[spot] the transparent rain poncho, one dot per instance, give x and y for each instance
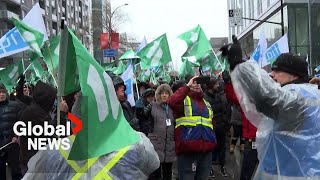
(137, 163)
(288, 123)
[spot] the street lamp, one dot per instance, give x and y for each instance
(110, 24)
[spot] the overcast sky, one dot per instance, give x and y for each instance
(152, 18)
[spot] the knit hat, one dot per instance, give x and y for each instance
(292, 64)
(233, 52)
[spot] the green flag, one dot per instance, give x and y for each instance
(121, 68)
(130, 54)
(105, 129)
(36, 67)
(155, 53)
(186, 68)
(33, 37)
(9, 76)
(51, 54)
(144, 75)
(197, 42)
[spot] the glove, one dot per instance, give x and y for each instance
(233, 52)
(226, 77)
(22, 80)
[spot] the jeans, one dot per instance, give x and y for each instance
(166, 172)
(250, 161)
(194, 166)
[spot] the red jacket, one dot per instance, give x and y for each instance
(183, 146)
(248, 129)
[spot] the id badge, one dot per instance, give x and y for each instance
(254, 145)
(194, 166)
(168, 122)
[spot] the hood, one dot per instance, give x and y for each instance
(162, 88)
(44, 95)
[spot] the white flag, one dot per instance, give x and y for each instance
(274, 51)
(258, 54)
(142, 44)
(127, 77)
(12, 42)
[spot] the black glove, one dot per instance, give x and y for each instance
(226, 77)
(233, 52)
(22, 80)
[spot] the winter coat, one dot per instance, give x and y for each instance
(38, 112)
(162, 136)
(10, 112)
(130, 116)
(176, 103)
(248, 129)
(143, 114)
(220, 107)
(288, 123)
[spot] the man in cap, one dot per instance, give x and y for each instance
(128, 112)
(9, 114)
(286, 111)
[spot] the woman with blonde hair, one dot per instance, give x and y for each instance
(162, 134)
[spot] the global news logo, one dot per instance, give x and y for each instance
(48, 137)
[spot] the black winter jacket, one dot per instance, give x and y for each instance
(220, 107)
(130, 116)
(10, 113)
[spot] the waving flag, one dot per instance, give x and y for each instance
(275, 50)
(13, 42)
(127, 77)
(258, 54)
(197, 42)
(9, 76)
(105, 129)
(33, 37)
(155, 53)
(142, 44)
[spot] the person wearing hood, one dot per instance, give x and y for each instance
(162, 136)
(221, 108)
(41, 110)
(194, 136)
(10, 113)
(284, 108)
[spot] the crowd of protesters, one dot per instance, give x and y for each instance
(188, 122)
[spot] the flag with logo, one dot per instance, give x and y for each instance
(51, 54)
(105, 129)
(127, 77)
(33, 37)
(258, 53)
(10, 75)
(155, 53)
(12, 42)
(197, 42)
(275, 50)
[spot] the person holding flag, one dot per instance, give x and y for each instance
(284, 108)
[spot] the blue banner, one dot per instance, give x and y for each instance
(11, 43)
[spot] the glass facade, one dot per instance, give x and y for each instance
(296, 25)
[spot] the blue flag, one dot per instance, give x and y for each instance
(258, 54)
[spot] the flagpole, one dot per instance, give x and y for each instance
(53, 73)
